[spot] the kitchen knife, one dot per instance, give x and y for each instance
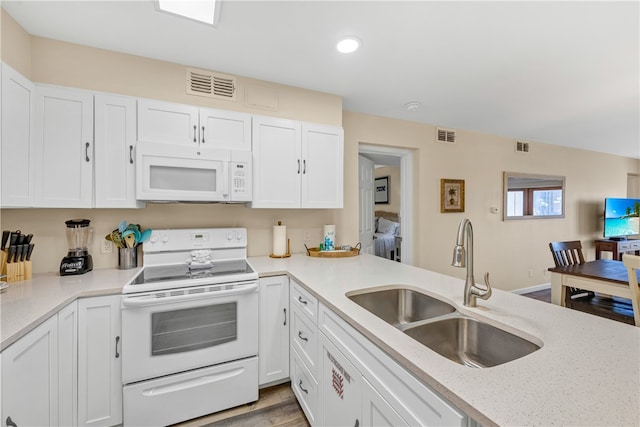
(18, 253)
(29, 251)
(20, 240)
(25, 249)
(5, 238)
(28, 238)
(12, 252)
(14, 237)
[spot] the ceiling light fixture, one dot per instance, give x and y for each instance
(412, 106)
(206, 11)
(348, 44)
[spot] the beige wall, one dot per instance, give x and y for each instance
(514, 252)
(509, 250)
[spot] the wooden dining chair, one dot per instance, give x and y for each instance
(632, 262)
(570, 253)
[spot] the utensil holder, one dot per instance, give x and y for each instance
(127, 258)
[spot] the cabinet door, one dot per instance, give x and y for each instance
(167, 122)
(225, 129)
(376, 411)
(63, 148)
(30, 378)
(115, 139)
(274, 329)
(99, 363)
(68, 365)
(277, 165)
(340, 385)
(322, 166)
(17, 115)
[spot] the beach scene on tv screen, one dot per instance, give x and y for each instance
(622, 217)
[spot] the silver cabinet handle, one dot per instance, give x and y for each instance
(298, 166)
(303, 338)
(304, 167)
(195, 130)
(302, 388)
(86, 152)
(117, 341)
(131, 154)
(285, 317)
(303, 302)
(203, 134)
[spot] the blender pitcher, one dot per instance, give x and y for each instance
(79, 238)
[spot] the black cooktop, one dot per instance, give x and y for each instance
(218, 269)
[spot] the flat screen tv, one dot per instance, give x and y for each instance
(621, 218)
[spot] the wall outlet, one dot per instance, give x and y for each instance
(106, 247)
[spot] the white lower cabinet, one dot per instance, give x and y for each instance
(68, 365)
(305, 387)
(376, 411)
(274, 330)
(99, 363)
(30, 378)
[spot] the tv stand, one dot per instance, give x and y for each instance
(617, 247)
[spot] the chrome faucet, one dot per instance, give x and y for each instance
(462, 258)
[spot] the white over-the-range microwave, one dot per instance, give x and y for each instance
(180, 173)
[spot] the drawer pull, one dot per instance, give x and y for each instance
(131, 154)
(203, 134)
(195, 131)
(303, 338)
(285, 317)
(117, 342)
(302, 388)
(301, 301)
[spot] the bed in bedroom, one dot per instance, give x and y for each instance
(387, 229)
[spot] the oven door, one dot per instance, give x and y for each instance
(168, 172)
(171, 331)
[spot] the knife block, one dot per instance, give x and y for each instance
(18, 271)
(3, 262)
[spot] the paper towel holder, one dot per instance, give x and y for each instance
(286, 255)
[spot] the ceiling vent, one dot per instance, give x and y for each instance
(522, 147)
(206, 83)
(446, 135)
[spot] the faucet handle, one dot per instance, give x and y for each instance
(488, 285)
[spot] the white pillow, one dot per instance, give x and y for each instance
(387, 227)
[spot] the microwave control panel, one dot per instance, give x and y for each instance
(240, 181)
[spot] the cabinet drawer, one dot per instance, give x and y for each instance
(606, 246)
(304, 338)
(306, 302)
(635, 245)
(624, 246)
(305, 387)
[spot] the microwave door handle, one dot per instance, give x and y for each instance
(225, 178)
(152, 300)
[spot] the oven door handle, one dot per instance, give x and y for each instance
(149, 300)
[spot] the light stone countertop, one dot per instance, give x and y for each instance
(586, 373)
(25, 305)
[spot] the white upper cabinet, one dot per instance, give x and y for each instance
(115, 141)
(185, 124)
(63, 148)
(323, 169)
(297, 165)
(17, 127)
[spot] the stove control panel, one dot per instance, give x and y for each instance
(190, 239)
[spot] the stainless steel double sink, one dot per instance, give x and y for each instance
(439, 326)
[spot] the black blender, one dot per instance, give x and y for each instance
(79, 237)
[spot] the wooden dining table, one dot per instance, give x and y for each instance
(604, 276)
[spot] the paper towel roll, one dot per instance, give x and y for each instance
(329, 237)
(279, 240)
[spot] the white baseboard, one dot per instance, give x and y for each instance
(540, 287)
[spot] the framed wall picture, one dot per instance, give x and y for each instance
(381, 190)
(451, 195)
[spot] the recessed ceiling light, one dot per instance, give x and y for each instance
(412, 106)
(199, 10)
(348, 44)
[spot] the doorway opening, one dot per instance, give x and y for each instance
(384, 156)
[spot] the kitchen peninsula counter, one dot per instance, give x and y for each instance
(586, 373)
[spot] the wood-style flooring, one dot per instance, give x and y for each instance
(278, 407)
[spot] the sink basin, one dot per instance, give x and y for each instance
(399, 306)
(471, 342)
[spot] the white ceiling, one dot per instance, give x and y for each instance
(563, 73)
